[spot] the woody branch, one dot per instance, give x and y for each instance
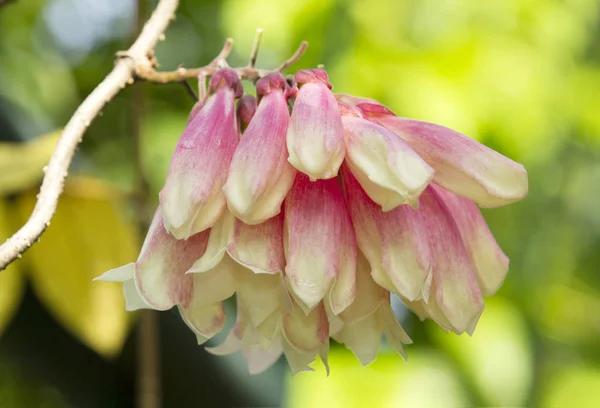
(137, 63)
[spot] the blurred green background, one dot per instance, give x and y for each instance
(522, 76)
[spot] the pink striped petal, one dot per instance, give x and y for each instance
(315, 134)
(192, 199)
(260, 175)
(461, 164)
(160, 269)
(259, 247)
(389, 171)
(454, 282)
(491, 264)
(396, 243)
(316, 240)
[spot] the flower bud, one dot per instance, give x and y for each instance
(192, 199)
(315, 137)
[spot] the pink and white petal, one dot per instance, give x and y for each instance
(417, 307)
(343, 291)
(315, 134)
(206, 321)
(160, 270)
(324, 356)
(406, 254)
(257, 295)
(260, 175)
(215, 285)
(362, 338)
(298, 361)
(269, 330)
(314, 215)
(231, 344)
(120, 274)
(133, 300)
(259, 247)
(192, 199)
(305, 333)
(369, 295)
(394, 333)
(461, 164)
(435, 313)
(260, 360)
(220, 236)
(387, 168)
(454, 283)
(491, 264)
(335, 322)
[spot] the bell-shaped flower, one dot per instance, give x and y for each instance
(260, 175)
(389, 171)
(158, 280)
(461, 164)
(319, 243)
(192, 199)
(396, 243)
(315, 137)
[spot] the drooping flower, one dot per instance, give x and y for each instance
(461, 164)
(387, 168)
(260, 175)
(315, 137)
(314, 220)
(192, 199)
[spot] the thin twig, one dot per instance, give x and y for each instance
(56, 171)
(295, 57)
(137, 62)
(255, 47)
(190, 90)
(147, 73)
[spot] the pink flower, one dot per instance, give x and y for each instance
(319, 243)
(461, 164)
(314, 220)
(315, 138)
(192, 200)
(260, 175)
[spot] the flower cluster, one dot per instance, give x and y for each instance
(314, 218)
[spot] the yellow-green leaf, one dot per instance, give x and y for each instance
(11, 280)
(22, 164)
(88, 235)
